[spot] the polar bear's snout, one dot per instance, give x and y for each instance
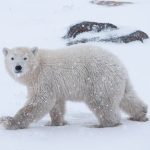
(18, 69)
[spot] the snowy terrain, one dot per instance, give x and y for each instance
(42, 23)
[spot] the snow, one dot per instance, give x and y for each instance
(42, 23)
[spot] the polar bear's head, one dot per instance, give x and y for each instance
(20, 61)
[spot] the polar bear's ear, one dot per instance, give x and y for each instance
(34, 50)
(5, 51)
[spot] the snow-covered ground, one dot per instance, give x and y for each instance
(42, 23)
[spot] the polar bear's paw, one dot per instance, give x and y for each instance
(144, 119)
(10, 123)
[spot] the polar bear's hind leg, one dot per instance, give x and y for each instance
(132, 105)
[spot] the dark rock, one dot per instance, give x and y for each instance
(135, 36)
(82, 41)
(87, 26)
(109, 3)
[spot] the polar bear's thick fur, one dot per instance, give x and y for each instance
(80, 73)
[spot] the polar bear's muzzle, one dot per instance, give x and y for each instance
(18, 69)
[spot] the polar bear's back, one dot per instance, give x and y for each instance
(81, 52)
(83, 55)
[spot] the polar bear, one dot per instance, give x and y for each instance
(79, 73)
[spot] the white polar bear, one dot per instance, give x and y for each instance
(80, 73)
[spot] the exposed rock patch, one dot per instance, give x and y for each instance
(135, 36)
(87, 26)
(109, 3)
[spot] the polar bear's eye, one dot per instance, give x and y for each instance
(12, 58)
(25, 58)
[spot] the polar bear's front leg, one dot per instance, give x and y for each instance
(28, 114)
(24, 117)
(57, 114)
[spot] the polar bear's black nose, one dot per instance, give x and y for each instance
(18, 68)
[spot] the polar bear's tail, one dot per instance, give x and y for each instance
(133, 105)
